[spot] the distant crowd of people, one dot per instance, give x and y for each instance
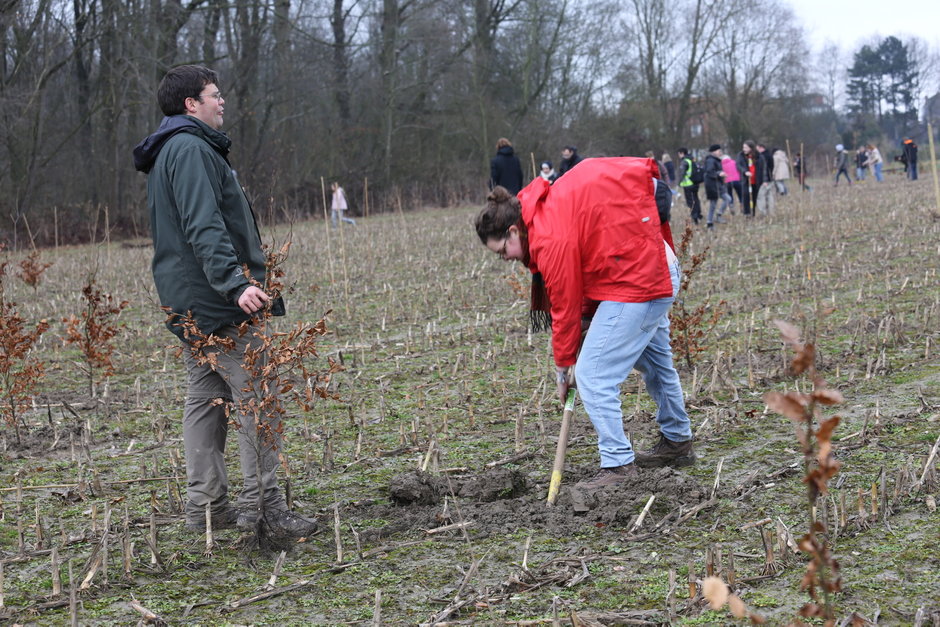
(868, 159)
(506, 169)
(756, 175)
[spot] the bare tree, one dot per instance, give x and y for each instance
(762, 64)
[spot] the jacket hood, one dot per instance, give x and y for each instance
(506, 150)
(146, 152)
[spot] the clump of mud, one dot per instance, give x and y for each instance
(501, 500)
(421, 488)
(494, 485)
(417, 488)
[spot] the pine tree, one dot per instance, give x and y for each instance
(882, 87)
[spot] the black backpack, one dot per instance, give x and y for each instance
(697, 174)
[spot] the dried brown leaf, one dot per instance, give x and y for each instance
(737, 606)
(826, 427)
(792, 404)
(715, 592)
(790, 333)
(827, 396)
(805, 356)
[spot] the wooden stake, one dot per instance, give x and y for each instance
(639, 520)
(73, 606)
(336, 535)
(342, 247)
(377, 612)
(520, 441)
(365, 195)
(693, 587)
(209, 542)
(721, 463)
(56, 574)
(276, 572)
(843, 522)
(147, 616)
(326, 223)
(20, 537)
(927, 465)
(671, 596)
(127, 547)
(933, 164)
(154, 558)
(105, 539)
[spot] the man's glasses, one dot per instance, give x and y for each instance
(216, 96)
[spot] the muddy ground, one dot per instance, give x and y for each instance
(432, 466)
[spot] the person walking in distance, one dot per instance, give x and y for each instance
(909, 157)
(842, 164)
(732, 180)
(339, 206)
(781, 171)
(204, 238)
(547, 172)
(714, 185)
(569, 159)
(747, 166)
(875, 162)
(574, 232)
(505, 168)
(687, 176)
(670, 170)
(766, 199)
(861, 163)
(799, 168)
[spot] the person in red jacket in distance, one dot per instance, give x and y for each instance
(596, 238)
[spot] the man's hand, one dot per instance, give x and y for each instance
(252, 299)
(562, 382)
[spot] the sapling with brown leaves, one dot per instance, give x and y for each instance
(20, 371)
(279, 365)
(822, 578)
(691, 326)
(31, 269)
(92, 332)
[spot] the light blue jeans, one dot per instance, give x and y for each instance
(878, 175)
(624, 336)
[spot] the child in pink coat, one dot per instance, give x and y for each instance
(732, 179)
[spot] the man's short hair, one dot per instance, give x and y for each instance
(180, 83)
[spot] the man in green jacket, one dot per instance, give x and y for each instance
(204, 236)
(688, 185)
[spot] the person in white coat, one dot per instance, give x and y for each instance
(781, 171)
(339, 206)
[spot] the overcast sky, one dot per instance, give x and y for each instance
(849, 23)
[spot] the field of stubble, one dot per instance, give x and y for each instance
(432, 467)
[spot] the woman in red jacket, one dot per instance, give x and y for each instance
(595, 236)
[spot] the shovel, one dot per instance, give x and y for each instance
(561, 449)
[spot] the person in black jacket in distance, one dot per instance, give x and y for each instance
(505, 168)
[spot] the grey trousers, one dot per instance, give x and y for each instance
(205, 426)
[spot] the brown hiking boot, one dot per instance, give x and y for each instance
(667, 453)
(609, 476)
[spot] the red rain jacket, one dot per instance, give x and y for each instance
(595, 235)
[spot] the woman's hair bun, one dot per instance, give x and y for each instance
(499, 195)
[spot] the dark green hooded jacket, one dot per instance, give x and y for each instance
(204, 231)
